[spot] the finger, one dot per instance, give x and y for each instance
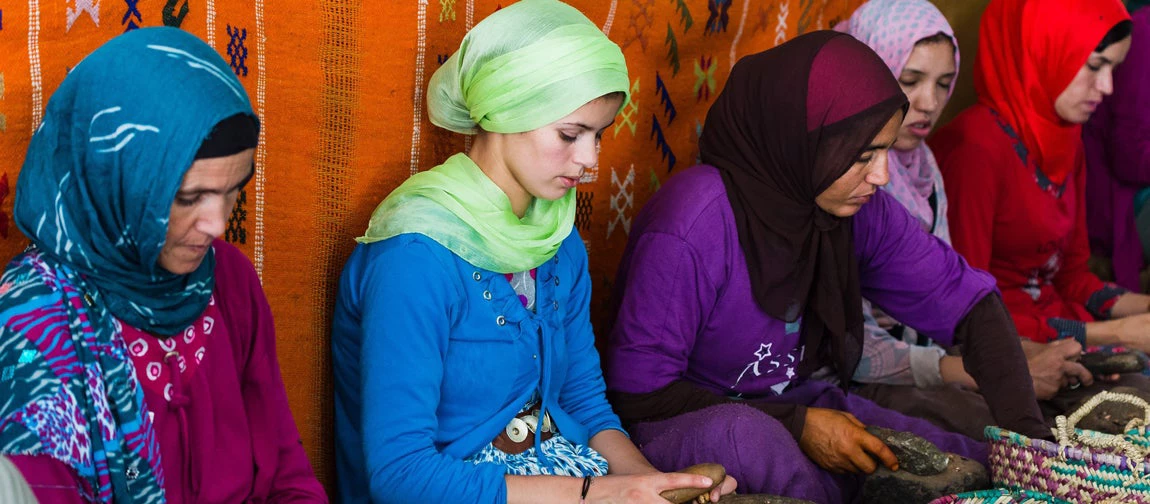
(854, 420)
(671, 481)
(1074, 370)
(876, 447)
(1069, 348)
(860, 461)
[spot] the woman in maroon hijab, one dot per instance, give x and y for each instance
(742, 279)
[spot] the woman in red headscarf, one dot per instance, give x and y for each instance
(1015, 170)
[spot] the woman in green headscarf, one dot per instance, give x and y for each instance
(465, 366)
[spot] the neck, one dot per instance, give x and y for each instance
(488, 157)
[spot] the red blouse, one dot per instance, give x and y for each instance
(1008, 218)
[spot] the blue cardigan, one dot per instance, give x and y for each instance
(433, 356)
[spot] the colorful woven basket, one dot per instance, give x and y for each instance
(999, 497)
(1083, 467)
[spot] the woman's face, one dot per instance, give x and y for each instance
(547, 162)
(851, 191)
(1094, 80)
(201, 209)
(926, 80)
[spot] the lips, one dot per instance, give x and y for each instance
(569, 182)
(919, 129)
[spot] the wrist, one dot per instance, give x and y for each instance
(587, 480)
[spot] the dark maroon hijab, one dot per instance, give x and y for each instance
(789, 122)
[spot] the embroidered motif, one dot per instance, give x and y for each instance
(236, 232)
(704, 78)
(446, 10)
(442, 58)
(82, 7)
(171, 18)
(642, 18)
(621, 201)
(684, 14)
(653, 184)
(661, 143)
(718, 19)
(627, 115)
(763, 18)
(672, 50)
(237, 50)
(806, 16)
(781, 28)
(590, 175)
(583, 210)
(665, 99)
(132, 18)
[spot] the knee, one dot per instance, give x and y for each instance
(750, 434)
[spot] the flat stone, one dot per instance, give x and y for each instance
(885, 486)
(760, 499)
(1106, 363)
(1111, 417)
(915, 454)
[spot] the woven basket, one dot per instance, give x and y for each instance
(1083, 467)
(999, 497)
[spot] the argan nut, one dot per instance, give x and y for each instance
(683, 495)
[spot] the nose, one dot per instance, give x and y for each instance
(1105, 81)
(587, 152)
(878, 174)
(213, 220)
(925, 99)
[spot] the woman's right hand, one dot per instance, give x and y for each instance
(641, 488)
(839, 443)
(1054, 366)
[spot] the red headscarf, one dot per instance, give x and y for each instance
(1029, 51)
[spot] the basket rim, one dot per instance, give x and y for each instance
(1052, 449)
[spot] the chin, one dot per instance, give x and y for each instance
(906, 143)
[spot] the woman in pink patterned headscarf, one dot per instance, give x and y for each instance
(900, 369)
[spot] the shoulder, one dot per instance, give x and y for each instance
(29, 282)
(974, 141)
(691, 202)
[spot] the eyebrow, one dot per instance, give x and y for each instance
(920, 72)
(194, 191)
(1105, 60)
(586, 127)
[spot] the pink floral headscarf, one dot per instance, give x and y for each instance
(891, 28)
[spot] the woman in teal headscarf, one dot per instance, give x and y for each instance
(137, 352)
(465, 366)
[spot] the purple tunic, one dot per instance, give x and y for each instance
(687, 309)
(687, 313)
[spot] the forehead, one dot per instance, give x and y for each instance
(228, 170)
(938, 56)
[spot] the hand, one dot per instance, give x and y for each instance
(882, 319)
(728, 486)
(952, 371)
(1055, 366)
(1134, 331)
(645, 488)
(839, 442)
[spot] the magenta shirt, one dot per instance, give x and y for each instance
(226, 434)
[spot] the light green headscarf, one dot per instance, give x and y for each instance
(524, 67)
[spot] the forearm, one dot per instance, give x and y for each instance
(621, 454)
(535, 489)
(1104, 332)
(1130, 303)
(993, 355)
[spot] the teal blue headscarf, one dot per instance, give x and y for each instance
(97, 186)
